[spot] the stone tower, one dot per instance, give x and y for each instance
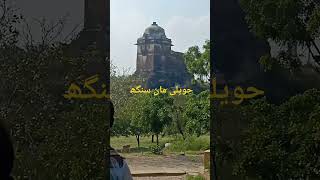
(157, 63)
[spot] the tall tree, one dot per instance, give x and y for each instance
(196, 112)
(288, 23)
(157, 113)
(198, 63)
(131, 119)
(281, 142)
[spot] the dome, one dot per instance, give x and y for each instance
(155, 32)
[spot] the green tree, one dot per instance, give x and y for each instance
(132, 119)
(281, 142)
(197, 113)
(120, 85)
(157, 113)
(198, 63)
(288, 23)
(178, 120)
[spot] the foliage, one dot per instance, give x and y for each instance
(178, 117)
(197, 113)
(47, 129)
(178, 144)
(288, 23)
(191, 143)
(118, 142)
(156, 149)
(149, 114)
(157, 113)
(54, 138)
(120, 85)
(198, 63)
(129, 120)
(282, 142)
(144, 114)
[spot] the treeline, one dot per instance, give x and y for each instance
(163, 115)
(144, 115)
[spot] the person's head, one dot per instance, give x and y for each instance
(6, 153)
(111, 114)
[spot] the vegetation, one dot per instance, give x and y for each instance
(289, 24)
(66, 139)
(155, 116)
(189, 177)
(191, 145)
(53, 138)
(281, 142)
(61, 139)
(198, 63)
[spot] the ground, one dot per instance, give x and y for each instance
(161, 178)
(165, 164)
(171, 165)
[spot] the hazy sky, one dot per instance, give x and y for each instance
(52, 11)
(186, 22)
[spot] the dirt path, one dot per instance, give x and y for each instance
(176, 164)
(161, 178)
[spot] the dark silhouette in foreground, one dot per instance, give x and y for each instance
(119, 169)
(6, 154)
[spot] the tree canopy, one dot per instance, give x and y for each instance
(198, 63)
(288, 23)
(281, 142)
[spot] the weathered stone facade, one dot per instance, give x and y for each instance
(157, 63)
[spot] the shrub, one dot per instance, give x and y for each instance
(156, 149)
(191, 143)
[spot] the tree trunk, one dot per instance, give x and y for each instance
(152, 138)
(138, 140)
(157, 139)
(162, 135)
(182, 134)
(179, 126)
(180, 129)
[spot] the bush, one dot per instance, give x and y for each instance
(156, 149)
(282, 142)
(191, 143)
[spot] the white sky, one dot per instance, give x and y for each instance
(186, 22)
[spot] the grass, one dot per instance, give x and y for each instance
(192, 145)
(145, 141)
(195, 178)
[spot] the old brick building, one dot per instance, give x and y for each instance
(157, 63)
